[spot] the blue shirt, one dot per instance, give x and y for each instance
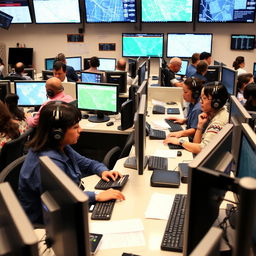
(191, 70)
(72, 163)
(71, 74)
(199, 76)
(193, 111)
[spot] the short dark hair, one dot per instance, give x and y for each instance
(11, 100)
(58, 65)
(94, 62)
(194, 84)
(201, 67)
(61, 57)
(195, 57)
(43, 139)
(250, 96)
(238, 61)
(205, 55)
(243, 79)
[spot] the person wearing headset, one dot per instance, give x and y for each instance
(214, 116)
(191, 93)
(58, 128)
(54, 91)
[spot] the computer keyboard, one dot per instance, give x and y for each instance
(158, 109)
(173, 111)
(117, 184)
(174, 127)
(173, 234)
(103, 210)
(157, 162)
(156, 134)
(173, 146)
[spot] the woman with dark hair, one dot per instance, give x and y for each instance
(1, 69)
(250, 96)
(210, 121)
(239, 64)
(59, 128)
(242, 81)
(9, 128)
(191, 93)
(94, 64)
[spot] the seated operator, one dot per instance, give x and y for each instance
(174, 67)
(121, 66)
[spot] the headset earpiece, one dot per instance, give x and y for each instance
(57, 132)
(216, 101)
(195, 91)
(50, 93)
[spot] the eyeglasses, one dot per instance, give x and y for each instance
(204, 98)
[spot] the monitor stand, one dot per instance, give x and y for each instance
(99, 118)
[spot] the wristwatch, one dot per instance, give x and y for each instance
(181, 141)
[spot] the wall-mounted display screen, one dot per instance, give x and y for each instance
(166, 10)
(184, 45)
(5, 20)
(242, 42)
(143, 45)
(227, 11)
(107, 11)
(18, 9)
(54, 11)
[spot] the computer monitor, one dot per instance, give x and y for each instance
(46, 74)
(163, 11)
(48, 63)
(226, 11)
(183, 69)
(117, 77)
(140, 135)
(148, 66)
(75, 62)
(208, 183)
(141, 90)
(142, 72)
(218, 63)
(4, 88)
(100, 98)
(18, 9)
(45, 11)
(91, 77)
(254, 70)
(5, 20)
(213, 73)
(184, 45)
(107, 64)
(132, 67)
(17, 235)
(86, 63)
(229, 80)
(110, 12)
(24, 55)
(30, 72)
(65, 211)
(242, 42)
(142, 45)
(31, 93)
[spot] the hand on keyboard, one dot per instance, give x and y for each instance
(109, 194)
(177, 120)
(175, 134)
(110, 174)
(171, 140)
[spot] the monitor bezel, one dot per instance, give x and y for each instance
(142, 56)
(199, 2)
(234, 81)
(123, 88)
(30, 82)
(96, 73)
(76, 57)
(139, 72)
(251, 49)
(106, 22)
(8, 18)
(79, 12)
(167, 43)
(192, 16)
(45, 63)
(98, 84)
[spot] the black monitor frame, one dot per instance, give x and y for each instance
(100, 117)
(142, 72)
(244, 37)
(141, 35)
(193, 50)
(5, 88)
(79, 13)
(16, 232)
(75, 57)
(100, 75)
(24, 55)
(46, 64)
(254, 70)
(233, 90)
(132, 67)
(5, 20)
(86, 63)
(117, 77)
(213, 73)
(65, 211)
(112, 59)
(46, 74)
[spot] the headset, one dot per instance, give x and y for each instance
(51, 93)
(57, 132)
(216, 97)
(195, 91)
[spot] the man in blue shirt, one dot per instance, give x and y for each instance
(192, 67)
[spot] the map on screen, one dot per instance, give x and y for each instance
(167, 10)
(110, 11)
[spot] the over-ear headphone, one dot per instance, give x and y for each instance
(216, 99)
(57, 132)
(51, 93)
(195, 91)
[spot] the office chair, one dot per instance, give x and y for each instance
(117, 153)
(14, 149)
(11, 173)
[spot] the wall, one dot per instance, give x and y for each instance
(48, 40)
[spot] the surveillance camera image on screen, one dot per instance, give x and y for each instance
(110, 11)
(162, 11)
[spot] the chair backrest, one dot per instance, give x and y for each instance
(11, 173)
(128, 145)
(13, 149)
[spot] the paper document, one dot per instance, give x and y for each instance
(119, 234)
(159, 206)
(166, 153)
(160, 124)
(158, 102)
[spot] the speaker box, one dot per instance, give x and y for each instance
(126, 115)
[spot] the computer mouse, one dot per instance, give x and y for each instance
(109, 123)
(179, 153)
(171, 103)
